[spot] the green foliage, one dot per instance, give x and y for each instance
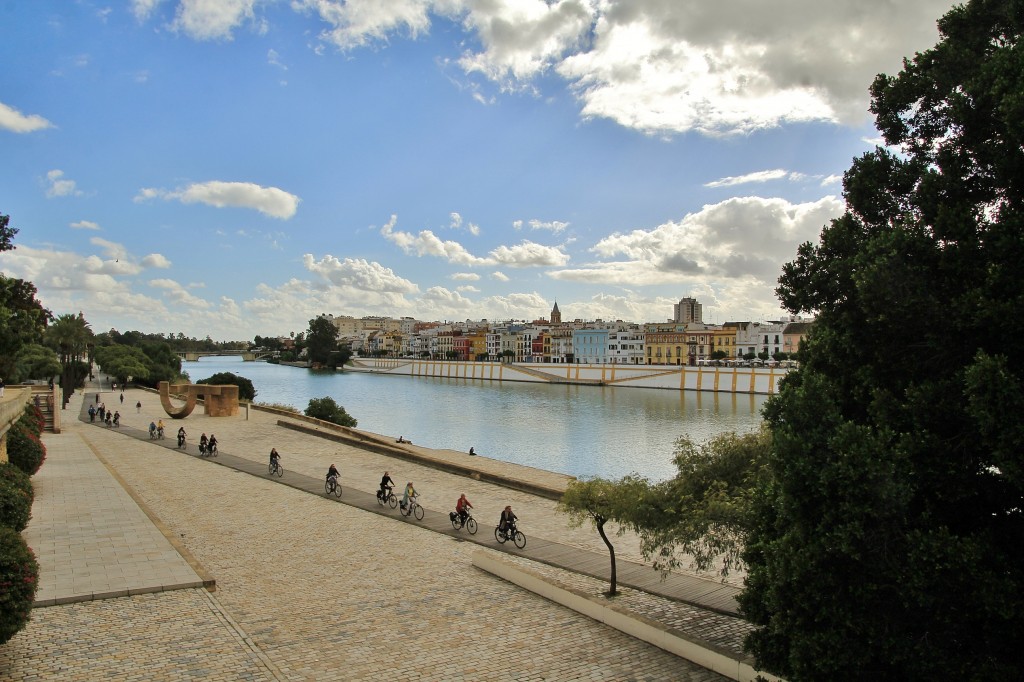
(24, 449)
(12, 475)
(22, 320)
(15, 505)
(321, 340)
(889, 540)
(325, 408)
(33, 419)
(34, 361)
(280, 406)
(246, 391)
(19, 578)
(6, 233)
(122, 362)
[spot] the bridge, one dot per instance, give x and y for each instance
(246, 355)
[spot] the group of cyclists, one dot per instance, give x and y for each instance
(506, 523)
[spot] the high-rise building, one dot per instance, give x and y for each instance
(687, 311)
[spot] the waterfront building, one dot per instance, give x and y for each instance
(590, 346)
(687, 311)
(724, 339)
(626, 346)
(792, 334)
(759, 337)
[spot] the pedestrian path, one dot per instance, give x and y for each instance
(706, 594)
(90, 537)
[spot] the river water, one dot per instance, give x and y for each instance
(577, 430)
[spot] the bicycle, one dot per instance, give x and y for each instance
(182, 445)
(413, 508)
(332, 487)
(275, 468)
(512, 534)
(458, 522)
(387, 497)
(159, 433)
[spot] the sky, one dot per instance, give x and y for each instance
(232, 168)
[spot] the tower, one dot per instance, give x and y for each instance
(556, 315)
(687, 311)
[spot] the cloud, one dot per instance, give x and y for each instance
(737, 239)
(456, 223)
(499, 276)
(143, 9)
(759, 176)
(529, 254)
(269, 201)
(465, 277)
(156, 260)
(554, 226)
(358, 274)
(60, 187)
(274, 59)
(361, 22)
(213, 19)
(84, 225)
(178, 295)
(13, 120)
(468, 288)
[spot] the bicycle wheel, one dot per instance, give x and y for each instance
(327, 488)
(418, 512)
(270, 469)
(380, 500)
(471, 525)
(280, 471)
(406, 510)
(337, 490)
(392, 500)
(457, 522)
(520, 540)
(499, 536)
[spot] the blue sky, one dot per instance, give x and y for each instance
(236, 167)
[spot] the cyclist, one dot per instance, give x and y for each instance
(333, 472)
(275, 459)
(385, 484)
(211, 446)
(507, 524)
(409, 494)
(117, 418)
(462, 507)
(160, 428)
(152, 430)
(181, 436)
(203, 440)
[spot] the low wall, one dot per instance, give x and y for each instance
(705, 654)
(749, 380)
(12, 407)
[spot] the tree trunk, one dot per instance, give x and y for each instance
(611, 552)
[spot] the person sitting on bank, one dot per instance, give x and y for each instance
(462, 507)
(507, 523)
(472, 452)
(401, 439)
(385, 484)
(409, 494)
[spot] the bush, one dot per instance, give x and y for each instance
(330, 411)
(246, 391)
(19, 577)
(33, 419)
(15, 505)
(24, 449)
(18, 478)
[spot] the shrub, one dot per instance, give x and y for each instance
(330, 411)
(19, 577)
(15, 506)
(24, 449)
(279, 406)
(18, 478)
(246, 391)
(33, 419)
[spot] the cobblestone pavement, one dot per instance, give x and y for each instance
(308, 589)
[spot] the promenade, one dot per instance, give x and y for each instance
(306, 588)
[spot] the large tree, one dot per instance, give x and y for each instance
(71, 336)
(322, 340)
(22, 318)
(889, 543)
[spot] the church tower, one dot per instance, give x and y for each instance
(556, 315)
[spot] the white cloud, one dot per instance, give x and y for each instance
(468, 288)
(178, 295)
(274, 59)
(759, 176)
(84, 225)
(61, 187)
(360, 22)
(554, 226)
(465, 277)
(270, 201)
(832, 180)
(359, 275)
(143, 9)
(529, 254)
(13, 120)
(213, 19)
(156, 260)
(500, 276)
(456, 223)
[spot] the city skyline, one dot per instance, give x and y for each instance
(235, 169)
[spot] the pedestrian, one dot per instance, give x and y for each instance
(92, 414)
(138, 407)
(97, 398)
(122, 397)
(113, 385)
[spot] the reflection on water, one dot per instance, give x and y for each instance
(577, 430)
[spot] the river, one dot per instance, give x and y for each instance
(577, 430)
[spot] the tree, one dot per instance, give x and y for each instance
(6, 233)
(22, 320)
(35, 361)
(889, 540)
(600, 501)
(322, 340)
(326, 409)
(246, 391)
(122, 362)
(71, 337)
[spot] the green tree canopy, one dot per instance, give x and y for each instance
(321, 340)
(122, 362)
(246, 391)
(325, 408)
(889, 543)
(22, 320)
(35, 361)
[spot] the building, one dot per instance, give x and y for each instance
(687, 311)
(556, 315)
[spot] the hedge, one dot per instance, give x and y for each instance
(19, 577)
(24, 449)
(18, 478)
(33, 419)
(15, 506)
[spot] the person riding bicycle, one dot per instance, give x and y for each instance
(462, 507)
(181, 435)
(160, 428)
(409, 494)
(275, 459)
(117, 418)
(507, 524)
(203, 440)
(332, 472)
(152, 429)
(385, 484)
(211, 446)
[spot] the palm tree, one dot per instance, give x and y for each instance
(71, 337)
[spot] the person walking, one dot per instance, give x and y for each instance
(138, 407)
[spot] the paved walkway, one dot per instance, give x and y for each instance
(296, 580)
